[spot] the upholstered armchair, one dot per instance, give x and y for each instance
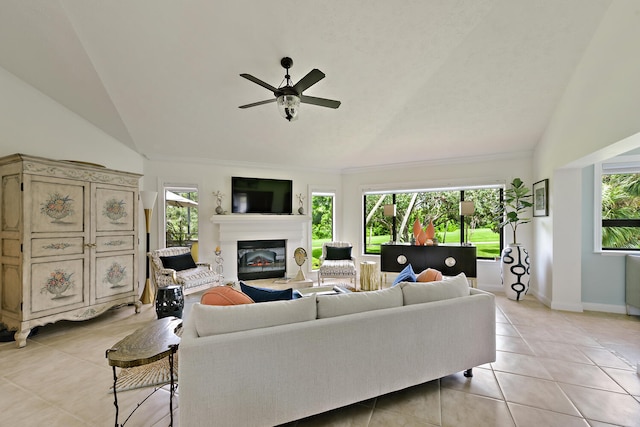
(175, 266)
(336, 261)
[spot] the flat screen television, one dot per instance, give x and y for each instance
(261, 195)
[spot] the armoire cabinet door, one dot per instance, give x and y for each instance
(114, 275)
(57, 206)
(57, 286)
(114, 209)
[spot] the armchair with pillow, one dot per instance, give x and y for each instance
(175, 266)
(337, 262)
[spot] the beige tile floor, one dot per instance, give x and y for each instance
(552, 369)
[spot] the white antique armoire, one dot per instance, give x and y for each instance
(69, 239)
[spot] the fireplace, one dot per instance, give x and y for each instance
(230, 229)
(262, 259)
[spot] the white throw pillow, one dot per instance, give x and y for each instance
(213, 320)
(355, 302)
(417, 293)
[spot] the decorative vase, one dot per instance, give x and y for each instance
(422, 238)
(417, 228)
(430, 230)
(515, 271)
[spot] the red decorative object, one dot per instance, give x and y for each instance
(417, 228)
(422, 238)
(431, 231)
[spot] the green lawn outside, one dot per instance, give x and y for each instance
(481, 238)
(316, 252)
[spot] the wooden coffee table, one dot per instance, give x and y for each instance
(148, 344)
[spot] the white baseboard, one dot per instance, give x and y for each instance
(606, 308)
(546, 301)
(611, 308)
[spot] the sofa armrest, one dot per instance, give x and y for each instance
(204, 264)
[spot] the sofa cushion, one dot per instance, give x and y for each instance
(337, 253)
(178, 262)
(355, 302)
(417, 293)
(264, 294)
(406, 275)
(224, 295)
(429, 275)
(222, 319)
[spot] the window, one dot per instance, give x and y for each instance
(321, 224)
(181, 216)
(618, 205)
(441, 207)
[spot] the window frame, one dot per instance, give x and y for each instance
(410, 189)
(162, 211)
(616, 165)
(322, 193)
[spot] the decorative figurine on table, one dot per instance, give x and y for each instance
(219, 197)
(300, 197)
(300, 255)
(219, 261)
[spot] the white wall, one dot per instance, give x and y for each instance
(598, 109)
(213, 177)
(456, 173)
(599, 272)
(32, 123)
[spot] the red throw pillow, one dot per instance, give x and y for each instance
(224, 295)
(429, 275)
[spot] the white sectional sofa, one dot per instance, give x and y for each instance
(269, 363)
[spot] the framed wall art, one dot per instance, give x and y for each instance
(541, 198)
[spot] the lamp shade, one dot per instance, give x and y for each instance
(467, 207)
(148, 199)
(288, 106)
(389, 210)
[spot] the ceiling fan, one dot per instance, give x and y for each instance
(290, 96)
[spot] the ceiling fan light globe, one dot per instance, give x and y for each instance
(288, 106)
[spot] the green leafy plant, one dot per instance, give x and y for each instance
(517, 200)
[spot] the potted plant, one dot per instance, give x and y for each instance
(515, 258)
(516, 203)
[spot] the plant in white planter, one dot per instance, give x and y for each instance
(515, 258)
(516, 203)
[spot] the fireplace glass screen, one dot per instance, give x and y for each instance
(262, 259)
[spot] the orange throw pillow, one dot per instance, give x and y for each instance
(224, 295)
(429, 275)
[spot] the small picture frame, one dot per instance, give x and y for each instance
(541, 198)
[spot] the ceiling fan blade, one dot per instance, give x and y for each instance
(255, 104)
(323, 102)
(258, 81)
(312, 77)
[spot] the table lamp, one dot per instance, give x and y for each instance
(467, 208)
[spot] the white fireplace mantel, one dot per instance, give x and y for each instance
(229, 229)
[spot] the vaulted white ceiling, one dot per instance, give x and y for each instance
(418, 79)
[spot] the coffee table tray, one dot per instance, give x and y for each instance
(322, 290)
